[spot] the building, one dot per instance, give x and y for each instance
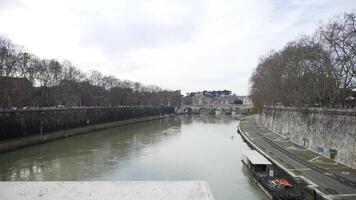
(217, 98)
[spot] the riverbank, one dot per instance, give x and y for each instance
(16, 143)
(329, 179)
(22, 123)
(329, 132)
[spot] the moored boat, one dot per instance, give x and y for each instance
(263, 173)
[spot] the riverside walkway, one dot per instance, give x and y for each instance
(333, 180)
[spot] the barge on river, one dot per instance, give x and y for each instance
(263, 173)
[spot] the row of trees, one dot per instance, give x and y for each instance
(315, 70)
(26, 80)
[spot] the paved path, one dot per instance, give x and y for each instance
(335, 180)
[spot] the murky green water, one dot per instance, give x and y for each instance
(181, 148)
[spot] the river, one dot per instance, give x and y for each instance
(180, 148)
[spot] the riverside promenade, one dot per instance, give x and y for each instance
(329, 179)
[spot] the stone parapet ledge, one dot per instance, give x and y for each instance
(322, 110)
(105, 190)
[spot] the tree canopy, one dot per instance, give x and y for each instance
(27, 80)
(314, 70)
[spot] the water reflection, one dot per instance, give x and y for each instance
(181, 148)
(85, 156)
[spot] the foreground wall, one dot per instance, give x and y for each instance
(34, 122)
(326, 131)
(86, 190)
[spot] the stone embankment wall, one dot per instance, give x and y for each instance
(34, 122)
(325, 131)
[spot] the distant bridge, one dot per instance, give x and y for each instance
(212, 109)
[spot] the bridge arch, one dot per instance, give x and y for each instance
(206, 110)
(220, 109)
(188, 110)
(203, 110)
(237, 110)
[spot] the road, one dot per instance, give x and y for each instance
(333, 179)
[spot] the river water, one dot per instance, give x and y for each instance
(180, 148)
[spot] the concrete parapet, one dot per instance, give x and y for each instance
(105, 190)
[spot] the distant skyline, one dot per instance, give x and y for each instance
(186, 44)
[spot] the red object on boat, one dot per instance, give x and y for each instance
(284, 182)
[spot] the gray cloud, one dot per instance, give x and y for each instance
(7, 4)
(177, 44)
(132, 29)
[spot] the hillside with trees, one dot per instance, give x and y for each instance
(314, 70)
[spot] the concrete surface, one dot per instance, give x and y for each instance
(334, 180)
(105, 190)
(318, 129)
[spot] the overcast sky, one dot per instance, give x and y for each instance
(190, 45)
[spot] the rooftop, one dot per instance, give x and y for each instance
(256, 158)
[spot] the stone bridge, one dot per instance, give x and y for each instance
(211, 109)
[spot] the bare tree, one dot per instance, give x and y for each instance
(310, 71)
(8, 58)
(50, 82)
